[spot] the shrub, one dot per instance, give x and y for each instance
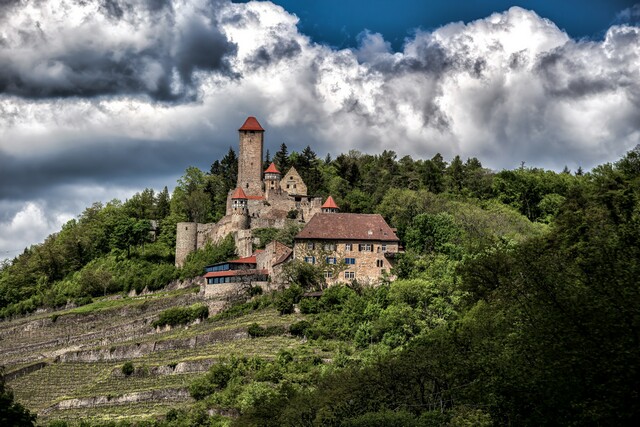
(128, 368)
(181, 315)
(300, 328)
(309, 306)
(254, 330)
(255, 290)
(290, 296)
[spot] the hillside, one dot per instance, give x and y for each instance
(68, 364)
(518, 306)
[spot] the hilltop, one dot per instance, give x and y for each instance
(516, 302)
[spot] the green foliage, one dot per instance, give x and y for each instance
(434, 233)
(128, 368)
(302, 274)
(11, 412)
(212, 253)
(265, 235)
(286, 299)
(254, 330)
(181, 315)
(300, 328)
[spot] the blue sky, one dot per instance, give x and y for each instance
(100, 99)
(338, 22)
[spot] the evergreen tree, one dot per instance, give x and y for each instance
(162, 204)
(229, 169)
(455, 175)
(434, 172)
(281, 159)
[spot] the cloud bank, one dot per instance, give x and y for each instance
(99, 99)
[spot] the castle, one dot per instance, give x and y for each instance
(261, 199)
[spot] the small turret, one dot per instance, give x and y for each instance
(330, 206)
(240, 209)
(272, 180)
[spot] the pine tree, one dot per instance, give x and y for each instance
(281, 159)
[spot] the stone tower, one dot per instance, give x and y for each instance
(186, 241)
(250, 158)
(272, 181)
(239, 210)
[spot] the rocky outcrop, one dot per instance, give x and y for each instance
(178, 394)
(132, 351)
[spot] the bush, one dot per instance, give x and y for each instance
(254, 330)
(290, 296)
(255, 291)
(309, 306)
(128, 368)
(300, 328)
(182, 315)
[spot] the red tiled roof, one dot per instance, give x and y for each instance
(283, 257)
(229, 273)
(255, 197)
(247, 260)
(330, 204)
(238, 194)
(347, 226)
(272, 168)
(251, 124)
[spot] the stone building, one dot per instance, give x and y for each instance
(259, 200)
(347, 246)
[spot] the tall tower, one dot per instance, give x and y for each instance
(250, 158)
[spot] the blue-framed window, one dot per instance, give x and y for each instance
(350, 261)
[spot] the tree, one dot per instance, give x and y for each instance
(11, 412)
(455, 175)
(163, 207)
(281, 159)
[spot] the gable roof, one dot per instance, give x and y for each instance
(251, 124)
(272, 168)
(238, 194)
(347, 226)
(330, 204)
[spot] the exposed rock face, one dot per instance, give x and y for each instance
(179, 394)
(132, 351)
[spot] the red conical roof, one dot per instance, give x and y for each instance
(251, 124)
(272, 168)
(238, 194)
(330, 204)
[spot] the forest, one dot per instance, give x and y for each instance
(517, 299)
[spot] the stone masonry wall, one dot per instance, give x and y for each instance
(250, 162)
(367, 266)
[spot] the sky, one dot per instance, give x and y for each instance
(100, 99)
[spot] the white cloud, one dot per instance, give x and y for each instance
(508, 88)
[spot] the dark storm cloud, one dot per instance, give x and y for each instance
(27, 178)
(281, 49)
(147, 49)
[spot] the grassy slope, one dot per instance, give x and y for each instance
(116, 329)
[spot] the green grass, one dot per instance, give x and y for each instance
(97, 326)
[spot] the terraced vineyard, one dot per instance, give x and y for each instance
(68, 364)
